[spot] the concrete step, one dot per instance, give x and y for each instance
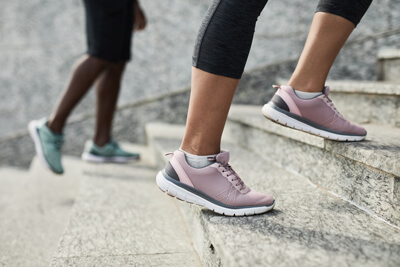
(389, 64)
(367, 102)
(12, 182)
(366, 173)
(35, 215)
(120, 218)
(308, 227)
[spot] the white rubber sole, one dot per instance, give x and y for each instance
(180, 193)
(93, 158)
(32, 128)
(278, 117)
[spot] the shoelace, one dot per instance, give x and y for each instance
(230, 171)
(58, 143)
(330, 103)
(114, 144)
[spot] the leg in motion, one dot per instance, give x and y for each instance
(327, 35)
(47, 135)
(103, 148)
(85, 73)
(107, 91)
(304, 103)
(210, 100)
(111, 29)
(199, 172)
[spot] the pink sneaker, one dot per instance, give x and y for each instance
(317, 116)
(217, 187)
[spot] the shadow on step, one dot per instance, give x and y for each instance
(277, 227)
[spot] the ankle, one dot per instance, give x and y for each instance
(198, 150)
(55, 127)
(306, 86)
(100, 141)
(197, 161)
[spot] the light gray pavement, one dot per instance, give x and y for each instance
(12, 181)
(120, 218)
(34, 217)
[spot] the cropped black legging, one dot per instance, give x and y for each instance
(226, 34)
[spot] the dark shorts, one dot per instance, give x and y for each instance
(109, 27)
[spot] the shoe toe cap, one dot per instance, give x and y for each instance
(267, 200)
(55, 165)
(260, 199)
(357, 130)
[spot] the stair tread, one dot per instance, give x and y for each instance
(361, 87)
(380, 150)
(120, 218)
(307, 225)
(366, 87)
(33, 220)
(12, 181)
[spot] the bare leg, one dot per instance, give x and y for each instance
(210, 100)
(108, 85)
(85, 73)
(327, 35)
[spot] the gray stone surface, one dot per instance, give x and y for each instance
(40, 46)
(308, 227)
(389, 64)
(17, 150)
(363, 172)
(364, 87)
(120, 218)
(33, 219)
(151, 260)
(12, 182)
(391, 69)
(255, 87)
(380, 109)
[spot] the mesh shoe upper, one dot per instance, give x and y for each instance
(111, 149)
(51, 144)
(218, 181)
(319, 110)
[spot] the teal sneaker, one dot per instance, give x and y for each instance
(110, 152)
(47, 145)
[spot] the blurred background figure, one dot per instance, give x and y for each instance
(109, 26)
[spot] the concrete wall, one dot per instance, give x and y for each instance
(41, 39)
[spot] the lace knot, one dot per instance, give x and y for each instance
(59, 143)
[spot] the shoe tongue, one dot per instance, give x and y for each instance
(222, 157)
(326, 91)
(52, 136)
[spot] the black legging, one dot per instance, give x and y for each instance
(226, 34)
